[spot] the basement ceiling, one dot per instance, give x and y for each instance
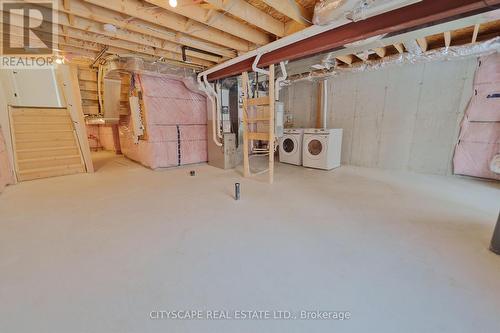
(201, 33)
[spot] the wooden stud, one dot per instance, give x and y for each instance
(380, 51)
(246, 162)
(475, 33)
(447, 39)
(422, 42)
(399, 47)
(347, 59)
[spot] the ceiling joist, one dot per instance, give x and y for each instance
(291, 9)
(143, 11)
(250, 14)
(215, 20)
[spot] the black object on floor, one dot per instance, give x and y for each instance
(192, 173)
(237, 191)
(495, 242)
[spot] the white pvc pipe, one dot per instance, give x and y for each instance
(212, 91)
(203, 87)
(282, 78)
(257, 69)
(324, 102)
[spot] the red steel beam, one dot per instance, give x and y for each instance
(418, 15)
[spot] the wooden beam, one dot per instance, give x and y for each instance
(475, 33)
(422, 43)
(409, 18)
(292, 27)
(447, 39)
(102, 15)
(347, 59)
(67, 7)
(89, 41)
(380, 51)
(250, 14)
(124, 35)
(399, 47)
(291, 9)
(90, 31)
(140, 10)
(214, 19)
(131, 46)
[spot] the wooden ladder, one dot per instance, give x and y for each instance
(258, 113)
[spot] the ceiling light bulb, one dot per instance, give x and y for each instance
(109, 27)
(172, 3)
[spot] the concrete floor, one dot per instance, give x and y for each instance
(97, 253)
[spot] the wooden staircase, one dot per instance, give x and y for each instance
(44, 142)
(258, 124)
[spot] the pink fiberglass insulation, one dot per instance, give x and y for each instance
(6, 173)
(176, 125)
(479, 138)
(93, 137)
(103, 137)
(109, 137)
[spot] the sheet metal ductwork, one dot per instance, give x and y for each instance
(141, 66)
(110, 88)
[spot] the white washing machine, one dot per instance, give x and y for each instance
(291, 146)
(322, 148)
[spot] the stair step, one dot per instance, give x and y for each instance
(258, 101)
(25, 154)
(254, 120)
(59, 167)
(44, 131)
(51, 158)
(41, 120)
(258, 136)
(32, 174)
(44, 149)
(48, 162)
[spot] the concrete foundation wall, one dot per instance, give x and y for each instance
(400, 117)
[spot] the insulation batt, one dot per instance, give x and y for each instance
(103, 136)
(176, 125)
(479, 140)
(327, 11)
(6, 174)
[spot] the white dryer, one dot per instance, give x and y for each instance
(291, 146)
(322, 148)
